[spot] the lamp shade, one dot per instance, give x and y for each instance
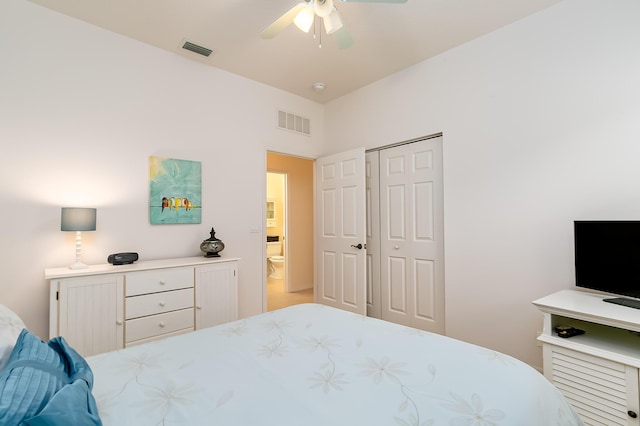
(78, 219)
(332, 23)
(304, 19)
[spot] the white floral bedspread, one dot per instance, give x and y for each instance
(315, 365)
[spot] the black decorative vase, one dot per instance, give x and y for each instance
(212, 245)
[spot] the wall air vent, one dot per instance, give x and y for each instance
(294, 123)
(197, 49)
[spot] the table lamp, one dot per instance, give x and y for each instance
(78, 220)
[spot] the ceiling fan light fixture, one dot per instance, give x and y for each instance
(304, 18)
(323, 8)
(332, 22)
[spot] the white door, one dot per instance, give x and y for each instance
(373, 234)
(340, 254)
(412, 237)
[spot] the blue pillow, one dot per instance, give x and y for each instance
(46, 384)
(27, 382)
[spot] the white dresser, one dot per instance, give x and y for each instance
(107, 307)
(598, 371)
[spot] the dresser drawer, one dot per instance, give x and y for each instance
(145, 282)
(157, 303)
(156, 325)
(160, 337)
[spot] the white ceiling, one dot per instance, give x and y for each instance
(386, 37)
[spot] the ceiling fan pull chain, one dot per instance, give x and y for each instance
(315, 27)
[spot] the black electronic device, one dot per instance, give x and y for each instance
(607, 256)
(567, 331)
(122, 258)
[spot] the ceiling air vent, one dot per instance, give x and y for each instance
(197, 49)
(294, 123)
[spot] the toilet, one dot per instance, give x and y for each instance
(275, 262)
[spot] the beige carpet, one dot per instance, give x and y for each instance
(278, 298)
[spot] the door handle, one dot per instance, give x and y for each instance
(359, 246)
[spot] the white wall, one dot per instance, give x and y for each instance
(541, 124)
(81, 111)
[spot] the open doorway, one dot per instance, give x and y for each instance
(289, 200)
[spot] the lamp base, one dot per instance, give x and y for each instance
(78, 265)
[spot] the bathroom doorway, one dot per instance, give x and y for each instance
(289, 225)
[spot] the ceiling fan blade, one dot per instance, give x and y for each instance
(282, 22)
(373, 1)
(343, 38)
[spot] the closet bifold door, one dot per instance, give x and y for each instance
(372, 177)
(411, 235)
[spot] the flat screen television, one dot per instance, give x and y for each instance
(607, 256)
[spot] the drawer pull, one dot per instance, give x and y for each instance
(162, 283)
(198, 307)
(119, 322)
(162, 324)
(162, 304)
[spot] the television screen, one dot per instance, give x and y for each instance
(607, 256)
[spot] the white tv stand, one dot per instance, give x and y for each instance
(598, 371)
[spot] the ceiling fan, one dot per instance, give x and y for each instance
(304, 14)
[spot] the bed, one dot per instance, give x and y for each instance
(315, 365)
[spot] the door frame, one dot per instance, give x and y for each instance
(263, 227)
